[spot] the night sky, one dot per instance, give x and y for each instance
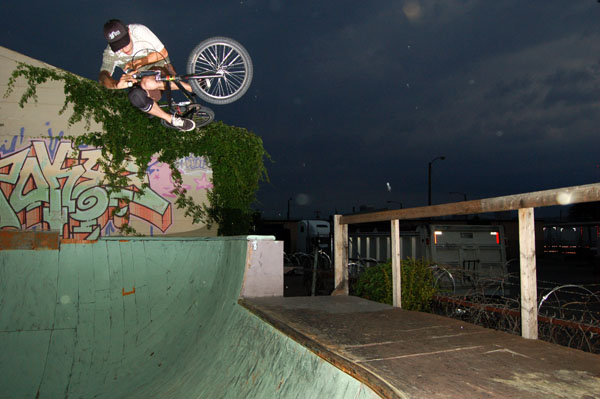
(349, 96)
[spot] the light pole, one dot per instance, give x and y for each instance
(430, 163)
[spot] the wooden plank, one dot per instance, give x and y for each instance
(340, 233)
(396, 264)
(560, 196)
(529, 323)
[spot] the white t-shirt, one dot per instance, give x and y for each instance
(144, 42)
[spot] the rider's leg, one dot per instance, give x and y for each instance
(150, 83)
(140, 99)
(174, 120)
(159, 112)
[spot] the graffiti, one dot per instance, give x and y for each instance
(13, 143)
(161, 180)
(47, 185)
(192, 165)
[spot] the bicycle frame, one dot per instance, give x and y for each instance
(175, 78)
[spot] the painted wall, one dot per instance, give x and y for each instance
(45, 186)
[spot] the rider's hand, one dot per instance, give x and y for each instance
(126, 81)
(131, 67)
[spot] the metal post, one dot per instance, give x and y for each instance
(314, 273)
(429, 181)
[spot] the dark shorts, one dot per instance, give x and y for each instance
(144, 100)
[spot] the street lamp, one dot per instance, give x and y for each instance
(431, 162)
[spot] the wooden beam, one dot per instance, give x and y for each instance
(396, 264)
(560, 196)
(529, 321)
(340, 257)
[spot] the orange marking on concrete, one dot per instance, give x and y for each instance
(76, 241)
(128, 292)
(37, 240)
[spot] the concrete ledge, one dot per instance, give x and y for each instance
(263, 276)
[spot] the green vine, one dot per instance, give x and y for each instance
(235, 155)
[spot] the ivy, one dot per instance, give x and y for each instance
(129, 137)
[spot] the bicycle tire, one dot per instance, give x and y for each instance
(203, 117)
(225, 57)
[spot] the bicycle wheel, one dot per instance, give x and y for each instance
(229, 61)
(203, 117)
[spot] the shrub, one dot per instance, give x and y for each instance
(375, 284)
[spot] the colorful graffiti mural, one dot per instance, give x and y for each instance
(46, 185)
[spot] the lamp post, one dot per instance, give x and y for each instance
(430, 163)
(288, 211)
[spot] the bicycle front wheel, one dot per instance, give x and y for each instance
(229, 66)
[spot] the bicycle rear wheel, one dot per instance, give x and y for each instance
(203, 116)
(229, 61)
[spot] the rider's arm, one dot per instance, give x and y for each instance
(149, 59)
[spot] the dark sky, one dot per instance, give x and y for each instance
(349, 96)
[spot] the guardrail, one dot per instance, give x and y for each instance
(523, 203)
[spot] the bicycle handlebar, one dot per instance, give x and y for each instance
(142, 74)
(170, 78)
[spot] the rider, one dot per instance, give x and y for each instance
(125, 50)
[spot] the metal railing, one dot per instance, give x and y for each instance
(523, 203)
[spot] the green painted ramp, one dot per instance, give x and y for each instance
(147, 318)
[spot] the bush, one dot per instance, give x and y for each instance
(375, 284)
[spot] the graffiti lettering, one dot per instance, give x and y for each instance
(43, 186)
(13, 143)
(192, 165)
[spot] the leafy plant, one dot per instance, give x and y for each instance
(128, 137)
(417, 281)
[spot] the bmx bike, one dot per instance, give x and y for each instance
(219, 71)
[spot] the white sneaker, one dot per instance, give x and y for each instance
(183, 124)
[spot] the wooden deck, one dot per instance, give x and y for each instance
(404, 354)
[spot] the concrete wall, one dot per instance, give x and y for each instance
(38, 190)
